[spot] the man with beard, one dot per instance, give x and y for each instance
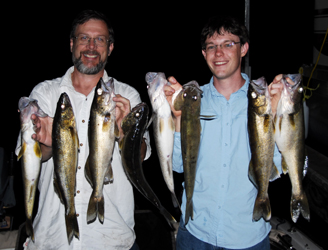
(91, 42)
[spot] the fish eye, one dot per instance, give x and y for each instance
(300, 90)
(137, 114)
(62, 106)
(148, 86)
(195, 98)
(254, 95)
(184, 94)
(99, 91)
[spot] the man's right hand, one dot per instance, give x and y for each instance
(169, 92)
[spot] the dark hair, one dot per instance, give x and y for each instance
(87, 15)
(220, 24)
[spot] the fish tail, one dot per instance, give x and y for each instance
(262, 208)
(189, 212)
(92, 209)
(299, 205)
(101, 210)
(29, 229)
(169, 218)
(72, 227)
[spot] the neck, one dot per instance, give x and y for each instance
(228, 86)
(83, 83)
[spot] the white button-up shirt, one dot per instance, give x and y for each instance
(49, 224)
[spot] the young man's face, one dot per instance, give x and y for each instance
(224, 61)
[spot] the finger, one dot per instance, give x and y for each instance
(172, 80)
(277, 78)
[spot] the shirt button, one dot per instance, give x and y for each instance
(224, 165)
(78, 191)
(219, 207)
(81, 144)
(77, 215)
(83, 121)
(79, 167)
(225, 144)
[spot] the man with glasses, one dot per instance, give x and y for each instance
(224, 197)
(91, 42)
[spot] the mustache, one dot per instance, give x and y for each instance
(90, 52)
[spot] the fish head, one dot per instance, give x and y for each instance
(136, 119)
(27, 107)
(259, 97)
(155, 87)
(103, 98)
(190, 96)
(292, 93)
(64, 111)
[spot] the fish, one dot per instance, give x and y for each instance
(261, 139)
(65, 147)
(290, 139)
(188, 101)
(134, 125)
(30, 155)
(102, 133)
(163, 128)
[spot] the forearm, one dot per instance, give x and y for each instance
(177, 123)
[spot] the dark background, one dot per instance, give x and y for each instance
(157, 37)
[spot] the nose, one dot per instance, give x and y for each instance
(218, 50)
(92, 43)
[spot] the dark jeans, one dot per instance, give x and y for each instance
(186, 241)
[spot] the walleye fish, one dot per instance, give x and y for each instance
(65, 146)
(163, 126)
(290, 139)
(31, 156)
(260, 129)
(188, 101)
(101, 134)
(134, 126)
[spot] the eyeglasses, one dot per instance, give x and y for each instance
(226, 46)
(100, 41)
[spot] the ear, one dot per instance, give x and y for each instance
(110, 48)
(244, 49)
(71, 44)
(204, 53)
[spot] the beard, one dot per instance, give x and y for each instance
(88, 70)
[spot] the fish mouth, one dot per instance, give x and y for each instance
(259, 85)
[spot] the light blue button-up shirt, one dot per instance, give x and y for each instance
(224, 196)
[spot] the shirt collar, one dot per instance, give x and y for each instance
(243, 89)
(67, 79)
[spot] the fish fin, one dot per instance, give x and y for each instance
(57, 190)
(251, 174)
(189, 212)
(87, 172)
(262, 208)
(169, 218)
(109, 177)
(150, 121)
(29, 228)
(75, 137)
(284, 165)
(72, 227)
(92, 209)
(274, 173)
(101, 210)
(175, 201)
(37, 150)
(299, 205)
(22, 151)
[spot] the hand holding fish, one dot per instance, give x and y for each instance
(170, 93)
(43, 134)
(121, 110)
(275, 89)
